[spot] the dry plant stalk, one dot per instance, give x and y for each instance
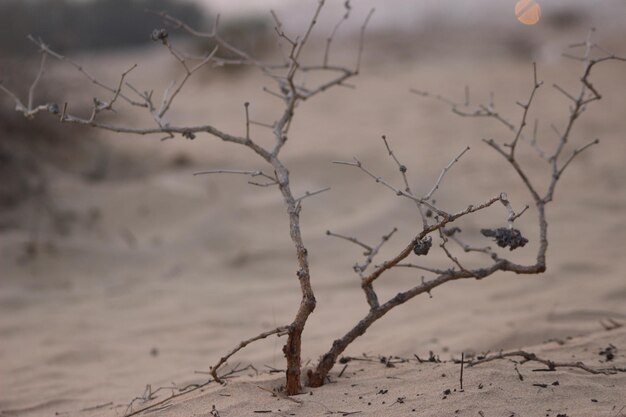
(549, 365)
(437, 223)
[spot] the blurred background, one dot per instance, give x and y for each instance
(118, 268)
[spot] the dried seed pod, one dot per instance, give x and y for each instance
(159, 35)
(53, 108)
(423, 246)
(505, 237)
(188, 134)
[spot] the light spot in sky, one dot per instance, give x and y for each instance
(528, 12)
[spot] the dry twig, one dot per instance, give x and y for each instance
(550, 365)
(279, 331)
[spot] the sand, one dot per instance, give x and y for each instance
(404, 387)
(164, 272)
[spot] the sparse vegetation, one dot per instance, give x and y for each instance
(437, 229)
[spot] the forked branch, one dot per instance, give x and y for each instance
(504, 236)
(287, 77)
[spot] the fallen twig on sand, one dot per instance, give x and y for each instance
(550, 365)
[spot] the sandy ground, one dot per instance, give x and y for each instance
(404, 387)
(163, 273)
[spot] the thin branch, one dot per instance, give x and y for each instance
(401, 167)
(535, 145)
(574, 154)
(186, 131)
(245, 57)
(396, 191)
(229, 171)
(246, 105)
(403, 171)
(308, 194)
(280, 331)
(360, 268)
(272, 93)
(47, 50)
(362, 40)
(31, 90)
(330, 37)
(305, 38)
(167, 100)
(580, 103)
(279, 24)
(149, 394)
(353, 240)
(517, 168)
(63, 112)
(267, 125)
(145, 96)
(118, 90)
(263, 184)
(252, 174)
(455, 260)
(423, 268)
(437, 97)
(468, 248)
(443, 173)
(19, 106)
(550, 365)
(30, 111)
(565, 93)
(518, 215)
(504, 199)
(525, 107)
(459, 109)
(279, 30)
(99, 105)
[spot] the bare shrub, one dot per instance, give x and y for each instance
(438, 230)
